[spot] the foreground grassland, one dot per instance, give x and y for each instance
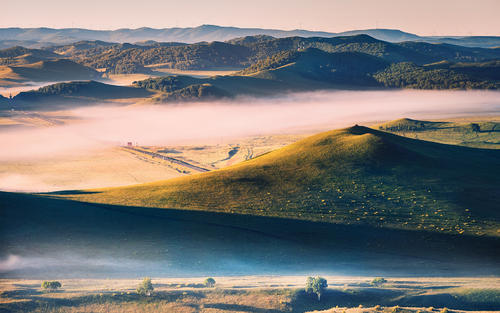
(356, 175)
(254, 294)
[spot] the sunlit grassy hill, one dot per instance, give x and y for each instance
(355, 175)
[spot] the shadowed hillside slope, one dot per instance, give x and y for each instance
(351, 176)
(46, 238)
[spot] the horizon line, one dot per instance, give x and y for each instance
(241, 27)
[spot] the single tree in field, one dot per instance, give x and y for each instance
(145, 287)
(316, 285)
(51, 285)
(210, 282)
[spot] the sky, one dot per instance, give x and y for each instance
(423, 17)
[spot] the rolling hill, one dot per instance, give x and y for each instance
(242, 52)
(51, 70)
(289, 71)
(46, 238)
(353, 176)
(310, 69)
(313, 69)
(21, 55)
(74, 93)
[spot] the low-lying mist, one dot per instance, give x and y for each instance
(214, 122)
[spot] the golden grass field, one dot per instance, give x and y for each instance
(253, 294)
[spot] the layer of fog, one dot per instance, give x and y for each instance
(197, 123)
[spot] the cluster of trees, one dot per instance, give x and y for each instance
(167, 84)
(410, 75)
(204, 91)
(182, 88)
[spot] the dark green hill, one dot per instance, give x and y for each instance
(354, 176)
(442, 76)
(344, 68)
(313, 69)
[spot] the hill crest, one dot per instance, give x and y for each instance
(355, 175)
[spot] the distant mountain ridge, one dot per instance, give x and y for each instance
(39, 37)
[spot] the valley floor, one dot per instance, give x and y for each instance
(255, 294)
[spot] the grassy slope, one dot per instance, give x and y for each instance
(57, 238)
(350, 176)
(49, 70)
(479, 135)
(63, 95)
(55, 70)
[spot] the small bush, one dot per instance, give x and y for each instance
(145, 288)
(444, 310)
(378, 281)
(51, 285)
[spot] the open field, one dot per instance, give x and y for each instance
(101, 167)
(272, 294)
(483, 134)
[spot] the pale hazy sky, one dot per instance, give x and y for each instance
(424, 17)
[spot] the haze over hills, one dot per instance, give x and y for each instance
(353, 176)
(38, 37)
